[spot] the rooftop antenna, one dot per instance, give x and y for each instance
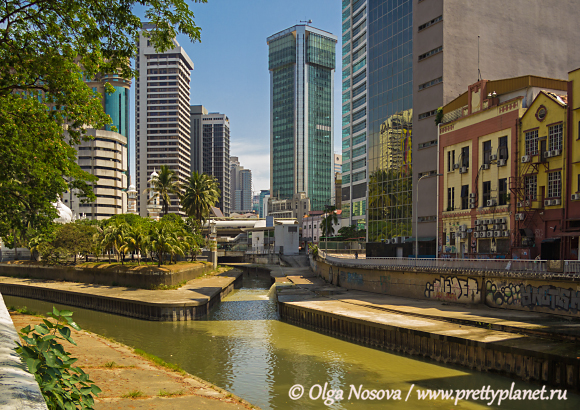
(478, 71)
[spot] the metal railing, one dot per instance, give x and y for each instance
(569, 267)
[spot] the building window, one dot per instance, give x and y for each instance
(430, 83)
(450, 160)
(531, 182)
(451, 199)
(465, 157)
(555, 137)
(486, 192)
(554, 185)
(430, 23)
(487, 152)
(503, 148)
(427, 114)
(532, 142)
(464, 196)
(430, 53)
(502, 191)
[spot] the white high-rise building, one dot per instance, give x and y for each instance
(162, 115)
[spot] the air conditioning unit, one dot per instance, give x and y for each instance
(501, 220)
(526, 158)
(501, 163)
(463, 170)
(496, 234)
(477, 222)
(483, 227)
(395, 240)
(506, 234)
(575, 197)
(496, 226)
(503, 227)
(556, 202)
(491, 202)
(485, 166)
(520, 217)
(547, 154)
(493, 157)
(475, 235)
(547, 202)
(489, 234)
(463, 235)
(555, 152)
(472, 200)
(456, 166)
(463, 228)
(472, 195)
(520, 204)
(387, 241)
(497, 221)
(472, 206)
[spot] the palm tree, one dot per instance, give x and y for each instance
(163, 241)
(329, 220)
(201, 193)
(164, 184)
(135, 241)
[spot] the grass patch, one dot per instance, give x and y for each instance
(111, 365)
(24, 310)
(168, 287)
(160, 362)
(163, 393)
(133, 394)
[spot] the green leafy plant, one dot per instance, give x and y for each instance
(133, 394)
(62, 385)
(313, 249)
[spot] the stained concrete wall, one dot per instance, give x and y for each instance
(18, 388)
(528, 292)
(115, 276)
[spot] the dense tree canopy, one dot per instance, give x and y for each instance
(201, 193)
(43, 45)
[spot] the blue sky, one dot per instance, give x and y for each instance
(231, 75)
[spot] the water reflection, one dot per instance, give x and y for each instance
(244, 348)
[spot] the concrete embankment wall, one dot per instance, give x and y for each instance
(167, 311)
(512, 361)
(105, 275)
(528, 292)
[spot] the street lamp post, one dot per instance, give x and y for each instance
(417, 215)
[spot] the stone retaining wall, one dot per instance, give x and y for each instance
(543, 368)
(528, 292)
(126, 307)
(109, 276)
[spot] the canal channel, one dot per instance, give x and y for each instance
(244, 348)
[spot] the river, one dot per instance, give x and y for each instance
(244, 348)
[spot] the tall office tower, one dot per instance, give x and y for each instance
(216, 154)
(240, 186)
(197, 112)
(377, 98)
(106, 155)
(422, 55)
(264, 193)
(162, 115)
(301, 64)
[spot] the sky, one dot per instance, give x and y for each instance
(231, 74)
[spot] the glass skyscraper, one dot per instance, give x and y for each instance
(301, 64)
(377, 75)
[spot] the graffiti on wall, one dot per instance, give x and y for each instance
(517, 294)
(503, 294)
(452, 288)
(352, 278)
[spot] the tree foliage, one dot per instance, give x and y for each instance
(47, 49)
(201, 193)
(163, 185)
(62, 385)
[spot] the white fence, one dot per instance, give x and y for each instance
(570, 268)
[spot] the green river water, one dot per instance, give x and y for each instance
(244, 348)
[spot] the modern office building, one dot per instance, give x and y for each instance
(263, 201)
(216, 155)
(162, 115)
(401, 62)
(106, 155)
(240, 187)
(302, 64)
(196, 116)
